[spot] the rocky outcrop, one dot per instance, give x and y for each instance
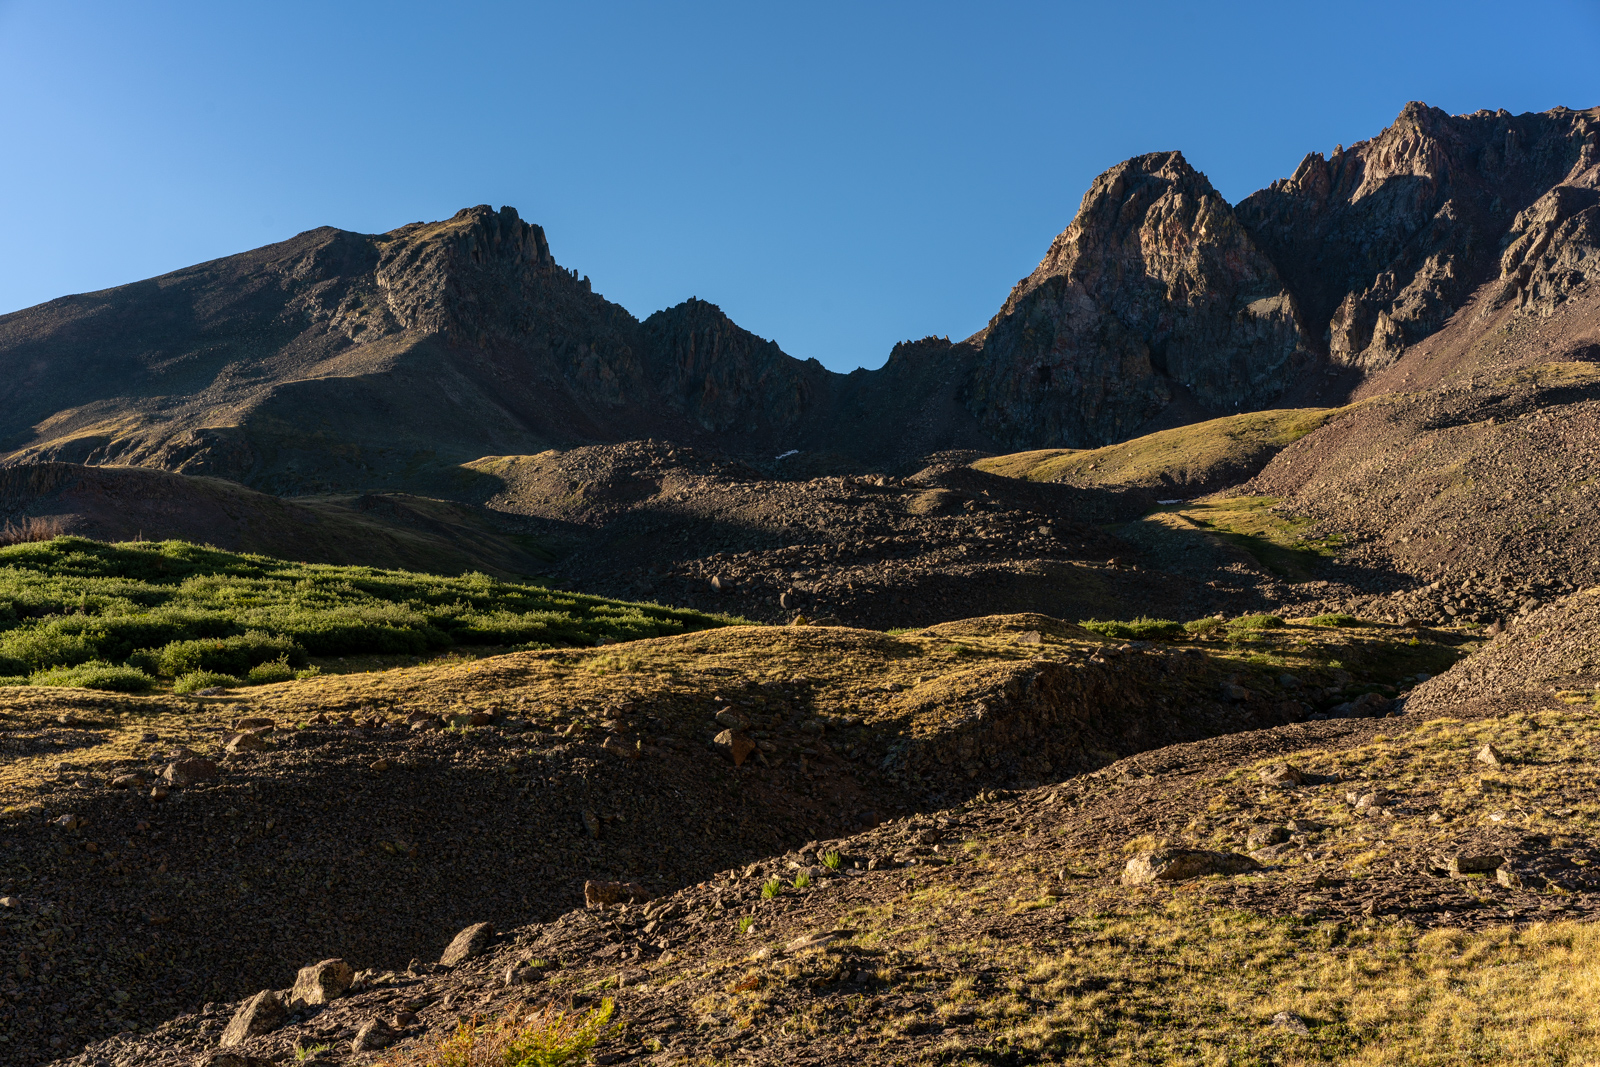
(1553, 248)
(724, 377)
(1382, 242)
(1155, 289)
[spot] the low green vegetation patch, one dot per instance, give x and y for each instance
(1333, 620)
(1284, 544)
(1257, 622)
(1140, 629)
(120, 616)
(95, 674)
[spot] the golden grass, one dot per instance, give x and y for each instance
(1167, 976)
(1187, 455)
(520, 1037)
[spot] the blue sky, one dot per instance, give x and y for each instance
(837, 176)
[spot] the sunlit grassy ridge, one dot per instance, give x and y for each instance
(75, 611)
(1186, 456)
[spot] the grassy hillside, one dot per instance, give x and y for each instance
(121, 616)
(1193, 458)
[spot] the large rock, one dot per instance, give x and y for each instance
(467, 944)
(1178, 864)
(736, 746)
(321, 982)
(1282, 775)
(249, 741)
(261, 1014)
(189, 771)
(603, 894)
(373, 1034)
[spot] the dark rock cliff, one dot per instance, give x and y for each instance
(1382, 242)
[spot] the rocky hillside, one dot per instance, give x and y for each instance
(161, 854)
(360, 361)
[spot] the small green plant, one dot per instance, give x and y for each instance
(802, 880)
(1256, 622)
(1334, 620)
(277, 670)
(1207, 625)
(832, 860)
(771, 888)
(305, 1052)
(195, 681)
(745, 923)
(309, 672)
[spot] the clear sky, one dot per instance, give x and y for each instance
(837, 176)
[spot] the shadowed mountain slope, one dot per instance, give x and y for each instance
(392, 530)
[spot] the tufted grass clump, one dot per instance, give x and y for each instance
(832, 860)
(1207, 625)
(802, 880)
(771, 888)
(543, 1037)
(1257, 622)
(745, 922)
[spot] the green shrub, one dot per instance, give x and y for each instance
(195, 681)
(1256, 622)
(43, 647)
(1334, 620)
(96, 674)
(1140, 629)
(277, 670)
(309, 672)
(229, 655)
(1206, 625)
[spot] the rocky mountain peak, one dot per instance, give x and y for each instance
(1159, 186)
(429, 272)
(1153, 292)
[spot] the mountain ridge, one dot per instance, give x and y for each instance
(336, 361)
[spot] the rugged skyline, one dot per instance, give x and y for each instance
(337, 360)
